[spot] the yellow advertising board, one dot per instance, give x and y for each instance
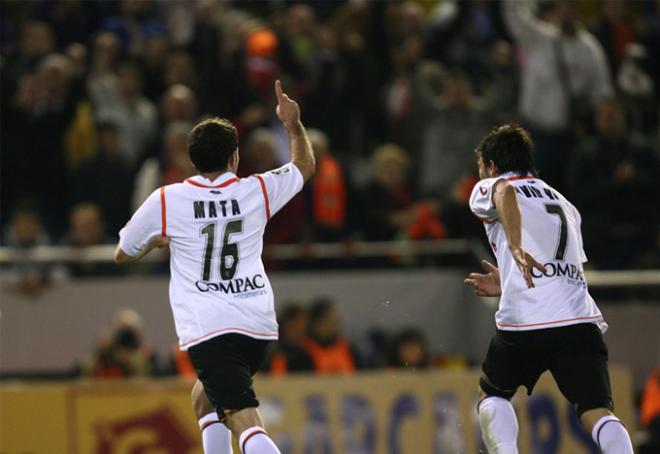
(385, 412)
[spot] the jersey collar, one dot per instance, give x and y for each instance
(510, 176)
(223, 180)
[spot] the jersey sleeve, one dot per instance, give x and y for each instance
(146, 223)
(481, 200)
(280, 185)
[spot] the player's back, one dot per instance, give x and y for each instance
(218, 283)
(551, 234)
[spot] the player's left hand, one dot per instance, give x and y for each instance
(287, 109)
(485, 284)
(525, 264)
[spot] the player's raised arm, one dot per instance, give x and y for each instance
(508, 212)
(288, 112)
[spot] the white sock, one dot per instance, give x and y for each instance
(499, 426)
(611, 436)
(255, 440)
(216, 438)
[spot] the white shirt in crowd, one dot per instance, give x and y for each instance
(551, 234)
(218, 283)
(543, 99)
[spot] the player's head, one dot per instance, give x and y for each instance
(507, 148)
(213, 146)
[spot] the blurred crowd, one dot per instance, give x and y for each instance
(98, 97)
(311, 340)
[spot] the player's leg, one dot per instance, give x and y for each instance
(508, 365)
(225, 366)
(216, 437)
(608, 431)
(248, 427)
(580, 369)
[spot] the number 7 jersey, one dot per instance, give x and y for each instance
(551, 234)
(218, 284)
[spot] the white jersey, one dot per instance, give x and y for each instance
(218, 284)
(551, 234)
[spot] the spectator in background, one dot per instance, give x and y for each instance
(650, 413)
(390, 206)
(614, 183)
(449, 139)
(260, 157)
(329, 209)
(179, 103)
(290, 354)
(177, 161)
(102, 78)
(25, 232)
(564, 72)
(86, 229)
(330, 351)
(134, 115)
(123, 353)
(410, 350)
(106, 180)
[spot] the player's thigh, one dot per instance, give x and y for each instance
(579, 367)
(224, 366)
(512, 360)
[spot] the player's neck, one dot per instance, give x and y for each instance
(213, 175)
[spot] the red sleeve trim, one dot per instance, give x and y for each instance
(163, 212)
(263, 189)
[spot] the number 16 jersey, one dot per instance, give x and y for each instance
(551, 234)
(218, 284)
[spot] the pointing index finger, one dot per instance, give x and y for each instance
(278, 89)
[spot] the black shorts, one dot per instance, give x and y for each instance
(576, 355)
(225, 365)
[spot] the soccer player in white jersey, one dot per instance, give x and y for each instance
(546, 319)
(220, 295)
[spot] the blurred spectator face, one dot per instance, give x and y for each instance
(55, 74)
(109, 140)
(106, 50)
(611, 120)
(179, 69)
(457, 92)
(328, 326)
(36, 39)
(86, 228)
(176, 148)
(134, 8)
(155, 50)
(390, 166)
(412, 353)
(319, 141)
(129, 82)
(410, 19)
(502, 54)
(262, 153)
(25, 227)
(301, 20)
(294, 330)
(179, 104)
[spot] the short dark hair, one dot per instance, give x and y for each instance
(320, 309)
(211, 143)
(511, 149)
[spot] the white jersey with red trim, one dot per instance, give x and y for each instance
(551, 234)
(218, 283)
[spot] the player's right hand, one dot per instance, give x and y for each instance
(485, 284)
(287, 109)
(525, 264)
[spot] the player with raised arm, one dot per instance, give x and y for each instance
(220, 295)
(546, 319)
